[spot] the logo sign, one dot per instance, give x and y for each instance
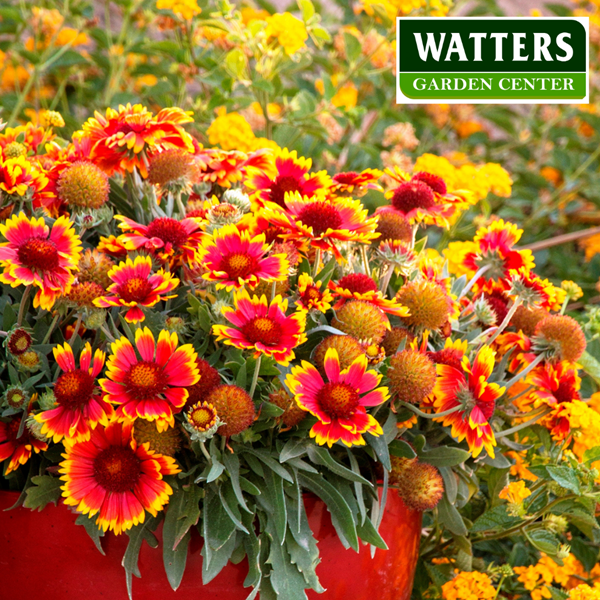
(481, 60)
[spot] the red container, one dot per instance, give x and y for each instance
(44, 555)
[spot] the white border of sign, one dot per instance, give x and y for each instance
(402, 99)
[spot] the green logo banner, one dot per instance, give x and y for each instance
(483, 60)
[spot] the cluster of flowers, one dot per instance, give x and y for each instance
(255, 252)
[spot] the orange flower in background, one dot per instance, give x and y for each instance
(262, 327)
(124, 138)
(17, 447)
(36, 255)
(153, 385)
(469, 585)
(515, 492)
(321, 223)
(186, 9)
(340, 402)
(80, 404)
(134, 285)
(356, 184)
(285, 173)
(232, 259)
(223, 168)
(165, 238)
(111, 476)
(311, 296)
(469, 389)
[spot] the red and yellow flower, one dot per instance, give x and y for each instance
(152, 383)
(286, 173)
(312, 222)
(356, 184)
(469, 389)
(111, 476)
(221, 167)
(358, 286)
(134, 285)
(17, 448)
(263, 327)
(340, 402)
(36, 255)
(80, 404)
(165, 238)
(311, 296)
(234, 258)
(123, 139)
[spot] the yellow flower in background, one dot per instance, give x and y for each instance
(346, 97)
(455, 254)
(231, 131)
(585, 592)
(395, 8)
(469, 585)
(186, 9)
(515, 492)
(290, 32)
(519, 469)
(250, 14)
(498, 179)
(571, 289)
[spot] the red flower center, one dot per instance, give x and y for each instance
(168, 230)
(412, 195)
(358, 282)
(135, 289)
(566, 391)
(145, 381)
(436, 183)
(117, 469)
(74, 389)
(238, 265)
(39, 254)
(12, 429)
(263, 330)
(321, 216)
(338, 400)
(281, 185)
(346, 178)
(311, 293)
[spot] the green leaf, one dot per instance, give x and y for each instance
(495, 518)
(497, 480)
(450, 483)
(326, 272)
(321, 456)
(321, 33)
(402, 449)
(235, 62)
(92, 530)
(341, 515)
(232, 464)
(565, 477)
(307, 8)
(252, 545)
(450, 517)
(273, 501)
(137, 535)
(241, 377)
(217, 526)
(543, 540)
(230, 505)
(293, 449)
(586, 554)
(591, 455)
(175, 546)
(591, 366)
(444, 456)
(367, 533)
(219, 558)
(265, 457)
(45, 489)
(380, 447)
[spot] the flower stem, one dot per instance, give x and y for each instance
(76, 330)
(474, 280)
(509, 315)
(107, 333)
(255, 376)
(523, 425)
(431, 415)
(385, 280)
(205, 452)
(24, 298)
(538, 359)
(51, 328)
(317, 262)
(365, 259)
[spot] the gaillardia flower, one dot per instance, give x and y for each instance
(134, 285)
(36, 255)
(80, 404)
(111, 476)
(262, 327)
(153, 386)
(469, 389)
(167, 239)
(233, 258)
(311, 296)
(18, 449)
(339, 404)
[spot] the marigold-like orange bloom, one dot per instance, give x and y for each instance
(263, 327)
(234, 258)
(515, 492)
(312, 222)
(123, 139)
(134, 285)
(469, 585)
(469, 388)
(311, 296)
(286, 173)
(18, 449)
(80, 404)
(165, 238)
(37, 255)
(111, 476)
(358, 286)
(153, 385)
(340, 402)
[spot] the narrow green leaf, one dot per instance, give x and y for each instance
(137, 535)
(444, 456)
(232, 464)
(292, 449)
(230, 505)
(380, 447)
(265, 457)
(450, 517)
(321, 456)
(217, 525)
(175, 553)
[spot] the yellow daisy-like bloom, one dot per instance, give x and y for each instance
(469, 585)
(186, 9)
(515, 492)
(573, 291)
(585, 592)
(231, 131)
(290, 32)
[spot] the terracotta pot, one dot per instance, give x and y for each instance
(44, 555)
